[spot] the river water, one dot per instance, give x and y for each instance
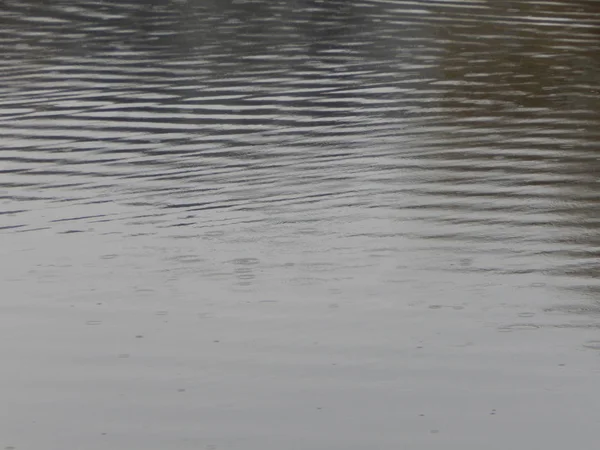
(294, 224)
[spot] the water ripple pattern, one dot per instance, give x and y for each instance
(291, 224)
(467, 125)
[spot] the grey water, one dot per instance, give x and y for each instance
(299, 224)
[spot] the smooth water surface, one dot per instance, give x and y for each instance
(294, 224)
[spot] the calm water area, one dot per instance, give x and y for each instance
(299, 224)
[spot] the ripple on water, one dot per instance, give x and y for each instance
(594, 345)
(399, 175)
(518, 327)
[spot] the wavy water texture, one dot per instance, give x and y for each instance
(379, 156)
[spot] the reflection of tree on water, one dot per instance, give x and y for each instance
(523, 56)
(523, 112)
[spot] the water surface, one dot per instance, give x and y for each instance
(299, 224)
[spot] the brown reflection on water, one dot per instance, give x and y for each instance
(520, 127)
(528, 56)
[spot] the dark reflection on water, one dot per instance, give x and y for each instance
(199, 156)
(478, 120)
